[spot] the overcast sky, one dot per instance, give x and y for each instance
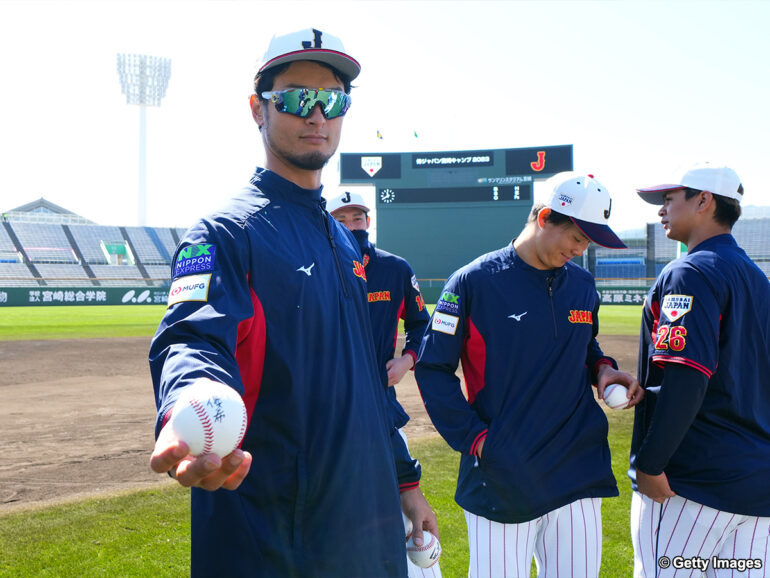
(639, 89)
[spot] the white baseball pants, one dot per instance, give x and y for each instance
(566, 543)
(684, 538)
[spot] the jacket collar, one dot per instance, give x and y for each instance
(271, 185)
(366, 246)
(517, 262)
(712, 242)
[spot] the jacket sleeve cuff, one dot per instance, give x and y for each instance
(599, 363)
(406, 486)
(648, 469)
(413, 355)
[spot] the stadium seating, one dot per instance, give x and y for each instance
(44, 243)
(91, 238)
(74, 254)
(8, 251)
(146, 251)
(63, 274)
(118, 275)
(159, 275)
(16, 275)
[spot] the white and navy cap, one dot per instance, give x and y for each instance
(586, 202)
(309, 44)
(716, 179)
(346, 200)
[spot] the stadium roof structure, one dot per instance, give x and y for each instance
(43, 211)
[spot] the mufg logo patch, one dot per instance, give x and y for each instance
(444, 323)
(190, 288)
(195, 259)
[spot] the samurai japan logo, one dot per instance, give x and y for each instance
(371, 165)
(675, 306)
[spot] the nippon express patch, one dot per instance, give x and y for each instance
(195, 259)
(449, 303)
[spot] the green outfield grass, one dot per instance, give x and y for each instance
(88, 321)
(147, 533)
(620, 319)
(77, 322)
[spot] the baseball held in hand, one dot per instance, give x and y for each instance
(209, 417)
(615, 396)
(426, 555)
(407, 526)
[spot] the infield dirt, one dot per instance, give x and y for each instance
(76, 417)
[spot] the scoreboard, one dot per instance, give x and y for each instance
(441, 210)
(521, 192)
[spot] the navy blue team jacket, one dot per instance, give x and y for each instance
(269, 297)
(526, 338)
(709, 311)
(393, 294)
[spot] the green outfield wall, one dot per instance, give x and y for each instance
(42, 296)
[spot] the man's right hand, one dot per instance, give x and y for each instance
(208, 472)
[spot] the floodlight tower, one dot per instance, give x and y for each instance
(144, 80)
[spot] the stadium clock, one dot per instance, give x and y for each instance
(387, 195)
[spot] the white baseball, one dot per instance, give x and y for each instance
(615, 396)
(426, 555)
(407, 526)
(209, 417)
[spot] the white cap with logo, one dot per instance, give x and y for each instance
(309, 44)
(586, 202)
(716, 179)
(346, 200)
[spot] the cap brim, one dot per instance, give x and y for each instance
(349, 206)
(654, 195)
(342, 62)
(599, 234)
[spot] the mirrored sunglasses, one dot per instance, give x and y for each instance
(301, 101)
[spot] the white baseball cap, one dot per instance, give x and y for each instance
(309, 44)
(346, 200)
(586, 202)
(716, 179)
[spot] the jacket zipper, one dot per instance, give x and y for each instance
(333, 245)
(553, 310)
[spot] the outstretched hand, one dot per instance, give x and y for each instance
(209, 472)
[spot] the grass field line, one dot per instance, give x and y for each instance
(107, 321)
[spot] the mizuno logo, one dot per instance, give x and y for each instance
(306, 270)
(518, 317)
